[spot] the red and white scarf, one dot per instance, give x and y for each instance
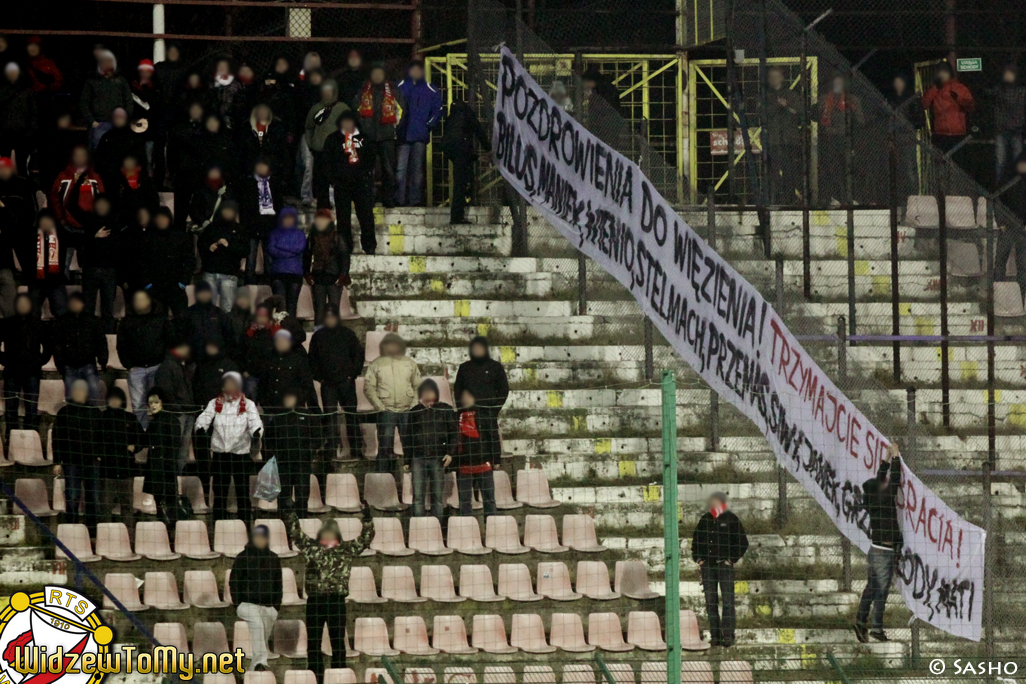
(350, 145)
(718, 510)
(223, 399)
(47, 255)
(389, 110)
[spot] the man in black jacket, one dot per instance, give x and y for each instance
(143, 340)
(783, 139)
(17, 229)
(485, 378)
(336, 360)
(119, 436)
(349, 161)
(1009, 120)
(210, 370)
(718, 543)
(185, 159)
(881, 494)
(256, 588)
(166, 262)
(174, 379)
(223, 245)
(288, 369)
(433, 441)
(293, 438)
(203, 322)
(75, 454)
(79, 346)
(27, 347)
(101, 255)
(462, 128)
(261, 196)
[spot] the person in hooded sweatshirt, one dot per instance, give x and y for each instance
(101, 254)
(231, 422)
(46, 273)
(79, 173)
(27, 347)
(148, 118)
(119, 436)
(352, 77)
(170, 72)
(336, 359)
(285, 246)
(433, 441)
(213, 363)
(218, 148)
(486, 379)
(102, 93)
(79, 346)
(256, 588)
(279, 91)
(222, 245)
(293, 437)
(186, 157)
(378, 105)
(322, 121)
(474, 467)
(909, 118)
(718, 543)
(261, 198)
(204, 321)
(391, 384)
(76, 456)
(143, 339)
(349, 163)
(166, 262)
(329, 561)
(421, 115)
(307, 96)
(287, 369)
(174, 379)
(326, 264)
(19, 117)
(461, 130)
(267, 136)
(17, 229)
(163, 440)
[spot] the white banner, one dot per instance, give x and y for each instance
(726, 331)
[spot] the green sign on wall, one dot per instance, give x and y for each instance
(970, 64)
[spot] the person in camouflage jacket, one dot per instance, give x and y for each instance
(329, 561)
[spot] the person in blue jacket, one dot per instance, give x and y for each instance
(422, 113)
(285, 247)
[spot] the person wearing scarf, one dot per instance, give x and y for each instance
(149, 111)
(718, 543)
(349, 163)
(231, 422)
(258, 347)
(102, 93)
(486, 379)
(379, 104)
(224, 89)
(839, 109)
(326, 265)
(47, 281)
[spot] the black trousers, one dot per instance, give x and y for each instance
(386, 157)
(324, 609)
(462, 177)
(223, 469)
(321, 181)
(294, 471)
(719, 576)
(171, 295)
(344, 395)
(358, 194)
(1007, 239)
(185, 186)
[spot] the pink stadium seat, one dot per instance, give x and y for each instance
(300, 677)
(290, 638)
(160, 590)
(397, 584)
(112, 542)
(346, 312)
(362, 588)
(735, 672)
(58, 497)
(690, 634)
(76, 538)
(26, 448)
(326, 644)
(388, 537)
(314, 504)
(578, 673)
(372, 345)
(304, 306)
(200, 590)
(209, 637)
(605, 632)
(51, 396)
(459, 675)
(240, 639)
(230, 537)
(172, 634)
(465, 536)
(151, 541)
(380, 492)
(191, 487)
(699, 672)
(339, 675)
(452, 496)
(540, 534)
(342, 492)
(436, 584)
(539, 674)
(504, 500)
(631, 580)
(1007, 300)
(411, 636)
(499, 674)
(593, 581)
(191, 540)
(310, 526)
(426, 537)
(515, 583)
(125, 588)
(279, 538)
(503, 535)
(351, 529)
(644, 631)
(449, 635)
(489, 635)
(567, 633)
(371, 637)
(289, 589)
(476, 583)
(579, 534)
(533, 489)
(528, 634)
(554, 582)
(32, 493)
(113, 360)
(253, 677)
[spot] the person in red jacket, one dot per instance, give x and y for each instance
(948, 101)
(81, 174)
(43, 71)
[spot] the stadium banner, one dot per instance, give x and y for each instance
(731, 336)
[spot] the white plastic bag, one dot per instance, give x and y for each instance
(268, 484)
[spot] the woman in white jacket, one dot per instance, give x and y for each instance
(232, 422)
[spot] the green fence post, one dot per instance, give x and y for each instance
(671, 537)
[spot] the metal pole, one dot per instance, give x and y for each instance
(842, 353)
(779, 284)
(729, 43)
(671, 540)
(916, 647)
(159, 52)
(806, 171)
(942, 215)
(895, 289)
(781, 497)
(988, 575)
(845, 564)
(710, 215)
(649, 334)
(991, 410)
(714, 420)
(849, 192)
(582, 284)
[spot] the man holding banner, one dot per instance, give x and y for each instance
(881, 500)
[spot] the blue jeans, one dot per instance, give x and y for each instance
(388, 461)
(1007, 146)
(483, 482)
(49, 292)
(87, 373)
(140, 381)
(16, 386)
(878, 584)
(427, 472)
(224, 289)
(96, 133)
(79, 479)
(409, 173)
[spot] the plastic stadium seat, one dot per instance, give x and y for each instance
(241, 640)
(142, 501)
(476, 583)
(300, 677)
(289, 589)
(304, 305)
(566, 633)
(579, 534)
(310, 526)
(172, 634)
(499, 674)
(112, 542)
(51, 396)
(191, 540)
(326, 644)
(371, 637)
(623, 673)
(921, 212)
(125, 588)
(489, 635)
(346, 312)
(151, 541)
(209, 637)
(76, 538)
(735, 672)
(253, 677)
(279, 537)
(964, 260)
(554, 582)
(690, 634)
(290, 638)
(351, 529)
(397, 584)
(644, 631)
(377, 675)
(465, 536)
(410, 636)
(540, 534)
(503, 535)
(444, 390)
(58, 497)
(426, 537)
(528, 634)
(449, 635)
(160, 590)
(200, 590)
(362, 588)
(191, 487)
(113, 360)
(515, 583)
(593, 581)
(631, 580)
(380, 492)
(388, 537)
(1007, 300)
(436, 584)
(227, 587)
(959, 213)
(339, 675)
(654, 673)
(419, 675)
(342, 492)
(539, 674)
(605, 632)
(578, 673)
(698, 672)
(32, 492)
(459, 675)
(373, 344)
(533, 489)
(26, 448)
(230, 537)
(314, 503)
